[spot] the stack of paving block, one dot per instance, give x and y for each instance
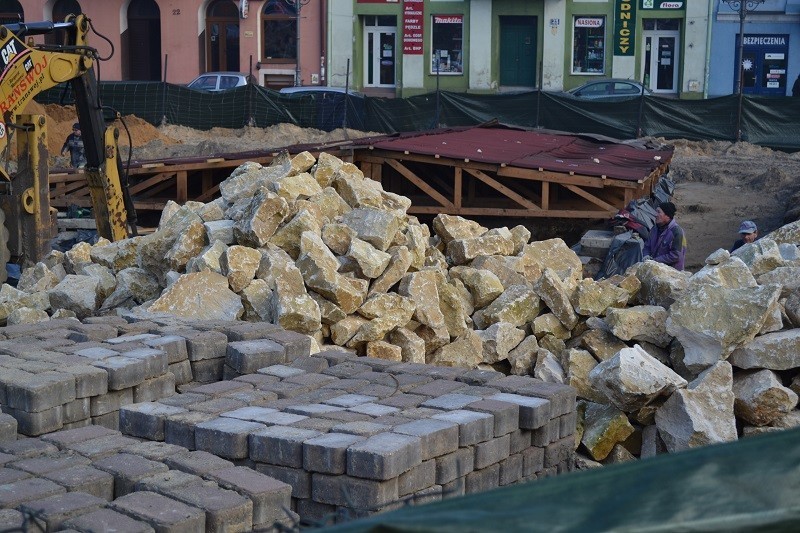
(95, 479)
(361, 435)
(63, 374)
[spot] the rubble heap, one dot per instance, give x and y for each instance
(663, 359)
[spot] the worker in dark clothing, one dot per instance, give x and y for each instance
(796, 86)
(667, 242)
(748, 231)
(74, 145)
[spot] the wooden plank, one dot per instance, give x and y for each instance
(546, 195)
(457, 187)
(592, 198)
(413, 178)
(182, 189)
(150, 182)
(502, 189)
(520, 213)
(208, 194)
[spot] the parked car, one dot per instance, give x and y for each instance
(219, 81)
(608, 88)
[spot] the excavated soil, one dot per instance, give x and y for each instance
(718, 183)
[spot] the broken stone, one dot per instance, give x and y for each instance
(421, 289)
(731, 273)
(787, 277)
(239, 264)
(549, 324)
(593, 299)
(774, 351)
(517, 305)
(760, 256)
(506, 268)
(553, 292)
(553, 254)
(493, 242)
(602, 344)
(412, 347)
(465, 351)
(220, 230)
(256, 298)
(373, 225)
(761, 398)
(79, 294)
(548, 368)
(523, 357)
(302, 185)
(660, 283)
(200, 295)
(37, 278)
(337, 237)
(264, 213)
(288, 236)
(578, 364)
(134, 286)
(106, 280)
(371, 261)
(482, 284)
(498, 340)
(640, 323)
(455, 307)
(604, 427)
(452, 227)
(326, 168)
(384, 350)
(354, 189)
(26, 315)
(208, 258)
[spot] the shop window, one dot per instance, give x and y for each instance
(661, 24)
(447, 36)
(589, 45)
(279, 21)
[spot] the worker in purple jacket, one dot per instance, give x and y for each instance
(667, 242)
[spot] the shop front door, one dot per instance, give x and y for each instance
(764, 64)
(380, 56)
(518, 51)
(661, 60)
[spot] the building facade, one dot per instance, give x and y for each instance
(175, 40)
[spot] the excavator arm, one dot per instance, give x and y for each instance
(27, 69)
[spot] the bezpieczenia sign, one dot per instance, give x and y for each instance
(624, 27)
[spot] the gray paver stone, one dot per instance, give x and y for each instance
(225, 510)
(561, 397)
(511, 469)
(280, 445)
(76, 410)
(473, 427)
(179, 428)
(173, 345)
(154, 389)
(454, 465)
(226, 437)
(164, 514)
(11, 520)
(281, 371)
(50, 513)
(146, 420)
(449, 402)
(363, 428)
(89, 380)
(84, 479)
(383, 456)
(418, 478)
(558, 451)
(532, 461)
(202, 345)
(8, 428)
(197, 462)
(520, 440)
(108, 520)
(108, 420)
(110, 402)
(102, 446)
(269, 496)
(483, 480)
(41, 392)
(9, 475)
(35, 424)
(437, 437)
(49, 463)
(247, 357)
(156, 360)
(327, 453)
(506, 414)
(124, 372)
(171, 479)
(296, 345)
(27, 490)
(492, 451)
(298, 479)
(221, 388)
(23, 448)
(356, 493)
(208, 370)
(181, 371)
(127, 469)
(533, 412)
(155, 451)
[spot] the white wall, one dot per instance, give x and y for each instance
(480, 45)
(553, 44)
(340, 33)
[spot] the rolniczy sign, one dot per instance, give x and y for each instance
(624, 27)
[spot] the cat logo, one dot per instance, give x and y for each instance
(2, 130)
(9, 51)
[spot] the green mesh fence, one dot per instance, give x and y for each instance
(769, 121)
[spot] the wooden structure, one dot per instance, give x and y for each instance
(443, 175)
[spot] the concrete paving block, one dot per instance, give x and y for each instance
(179, 428)
(561, 397)
(157, 361)
(346, 368)
(146, 420)
(197, 462)
(511, 384)
(473, 427)
(98, 448)
(203, 345)
(173, 345)
(35, 424)
(454, 465)
(257, 380)
(479, 377)
(483, 480)
(383, 456)
(429, 495)
(374, 409)
(94, 332)
(437, 387)
(181, 371)
(418, 413)
(50, 513)
(12, 520)
(162, 513)
(492, 451)
(184, 399)
(327, 453)
(221, 388)
(63, 438)
(108, 420)
(96, 353)
(253, 414)
(24, 448)
(334, 356)
(127, 469)
(108, 520)
(296, 345)
(511, 469)
(437, 437)
(39, 466)
(89, 380)
(78, 424)
(533, 412)
(134, 337)
(299, 480)
(315, 513)
(449, 402)
(84, 478)
(353, 492)
(347, 385)
(155, 451)
(281, 371)
(280, 445)
(124, 372)
(362, 428)
(323, 425)
(506, 414)
(312, 380)
(208, 370)
(313, 409)
(225, 510)
(41, 392)
(375, 389)
(310, 363)
(520, 439)
(226, 437)
(347, 416)
(112, 401)
(8, 428)
(532, 461)
(567, 424)
(247, 357)
(154, 389)
(9, 475)
(270, 496)
(246, 331)
(559, 451)
(27, 490)
(76, 410)
(217, 405)
(418, 478)
(402, 400)
(164, 482)
(546, 434)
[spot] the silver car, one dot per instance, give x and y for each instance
(608, 88)
(219, 81)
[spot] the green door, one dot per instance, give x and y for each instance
(518, 51)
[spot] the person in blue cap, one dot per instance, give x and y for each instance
(748, 232)
(666, 242)
(74, 145)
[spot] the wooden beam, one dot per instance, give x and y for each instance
(520, 213)
(150, 182)
(208, 194)
(592, 198)
(546, 195)
(181, 186)
(457, 187)
(413, 178)
(502, 189)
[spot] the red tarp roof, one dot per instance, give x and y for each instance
(531, 149)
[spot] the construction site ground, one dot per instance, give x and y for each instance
(719, 183)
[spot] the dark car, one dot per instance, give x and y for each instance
(608, 88)
(219, 81)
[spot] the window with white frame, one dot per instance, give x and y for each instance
(589, 45)
(447, 33)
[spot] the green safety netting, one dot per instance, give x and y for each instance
(769, 121)
(749, 485)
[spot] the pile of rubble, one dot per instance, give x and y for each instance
(313, 246)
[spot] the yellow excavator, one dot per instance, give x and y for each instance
(27, 69)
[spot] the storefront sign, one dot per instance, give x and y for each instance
(586, 22)
(624, 27)
(656, 5)
(413, 26)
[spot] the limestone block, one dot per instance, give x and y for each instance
(483, 285)
(553, 254)
(188, 243)
(523, 357)
(552, 290)
(208, 258)
(578, 365)
(465, 351)
(256, 299)
(326, 168)
(302, 185)
(260, 219)
(787, 277)
(26, 315)
(774, 351)
(660, 283)
(549, 324)
(604, 427)
(730, 273)
(453, 227)
(493, 242)
(288, 236)
(220, 230)
(37, 278)
(498, 340)
(76, 293)
(421, 288)
(761, 397)
(548, 367)
(375, 226)
(640, 323)
(106, 280)
(134, 286)
(518, 305)
(507, 268)
(357, 191)
(411, 345)
(371, 261)
(760, 256)
(202, 295)
(602, 344)
(239, 264)
(592, 298)
(455, 303)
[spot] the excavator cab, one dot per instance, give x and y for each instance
(27, 69)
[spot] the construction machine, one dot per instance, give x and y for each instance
(27, 69)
